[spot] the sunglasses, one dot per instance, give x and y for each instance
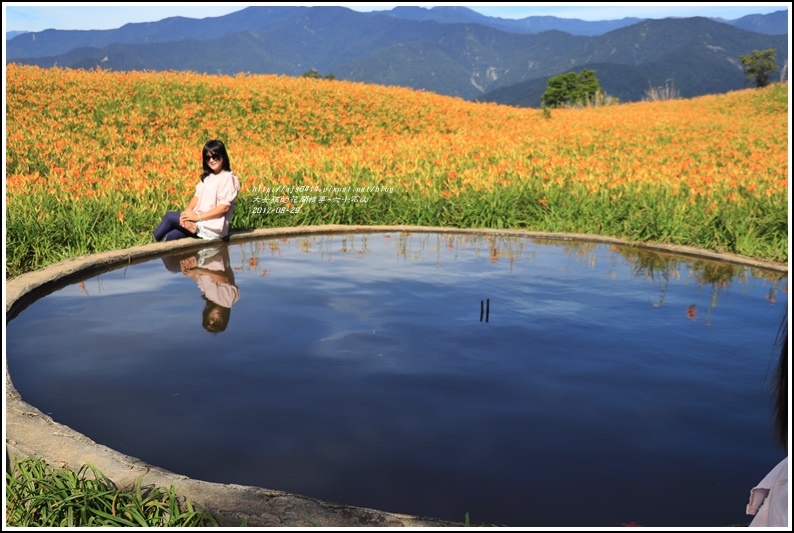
(212, 157)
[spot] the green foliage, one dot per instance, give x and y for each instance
(312, 73)
(571, 89)
(759, 65)
(587, 85)
(38, 495)
(559, 90)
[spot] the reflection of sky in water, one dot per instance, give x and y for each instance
(141, 278)
(446, 261)
(550, 280)
(597, 373)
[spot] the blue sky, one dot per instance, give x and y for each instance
(38, 16)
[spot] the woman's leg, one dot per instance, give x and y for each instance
(170, 229)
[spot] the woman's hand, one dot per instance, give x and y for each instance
(186, 218)
(187, 264)
(188, 215)
(188, 225)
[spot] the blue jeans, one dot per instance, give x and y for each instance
(170, 230)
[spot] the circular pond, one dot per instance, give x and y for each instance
(525, 382)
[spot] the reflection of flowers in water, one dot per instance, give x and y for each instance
(718, 276)
(655, 266)
(772, 294)
(252, 252)
(497, 248)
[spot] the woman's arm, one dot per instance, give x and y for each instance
(217, 211)
(219, 277)
(191, 216)
(188, 212)
(185, 216)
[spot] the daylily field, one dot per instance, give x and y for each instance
(94, 158)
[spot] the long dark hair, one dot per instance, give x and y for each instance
(781, 387)
(222, 316)
(214, 147)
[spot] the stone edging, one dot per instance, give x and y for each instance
(29, 432)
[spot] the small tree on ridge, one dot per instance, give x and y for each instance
(759, 65)
(571, 89)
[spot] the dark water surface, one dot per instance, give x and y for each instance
(526, 382)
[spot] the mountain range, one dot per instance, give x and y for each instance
(452, 51)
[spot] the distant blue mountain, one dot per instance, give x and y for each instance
(12, 34)
(449, 50)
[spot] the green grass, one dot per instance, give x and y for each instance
(44, 230)
(42, 496)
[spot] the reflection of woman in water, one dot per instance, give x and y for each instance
(211, 269)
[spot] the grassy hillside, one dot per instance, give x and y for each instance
(94, 158)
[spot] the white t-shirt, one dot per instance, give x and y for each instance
(769, 499)
(216, 189)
